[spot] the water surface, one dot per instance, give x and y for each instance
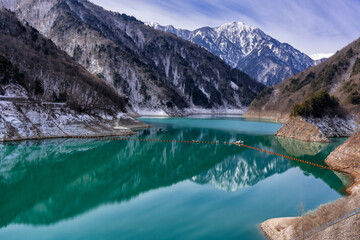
(95, 189)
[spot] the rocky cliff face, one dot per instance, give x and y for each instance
(347, 156)
(37, 79)
(248, 49)
(334, 127)
(158, 72)
(299, 129)
(318, 129)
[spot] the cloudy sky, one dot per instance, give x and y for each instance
(312, 26)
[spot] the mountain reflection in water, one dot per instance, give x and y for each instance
(43, 182)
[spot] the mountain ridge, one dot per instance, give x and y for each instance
(248, 49)
(40, 83)
(160, 73)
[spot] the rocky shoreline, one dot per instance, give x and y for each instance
(345, 156)
(33, 121)
(300, 129)
(318, 129)
(275, 115)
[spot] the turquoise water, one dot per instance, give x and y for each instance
(94, 189)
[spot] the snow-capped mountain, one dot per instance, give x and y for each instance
(248, 49)
(236, 172)
(158, 72)
(319, 56)
(339, 76)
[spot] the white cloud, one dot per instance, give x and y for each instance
(311, 26)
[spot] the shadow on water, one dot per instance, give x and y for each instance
(43, 182)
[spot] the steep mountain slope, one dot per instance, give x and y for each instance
(248, 49)
(160, 73)
(339, 76)
(37, 78)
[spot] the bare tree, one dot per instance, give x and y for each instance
(301, 210)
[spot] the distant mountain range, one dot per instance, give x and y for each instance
(158, 72)
(319, 56)
(248, 49)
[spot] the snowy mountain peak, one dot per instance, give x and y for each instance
(157, 26)
(248, 49)
(152, 24)
(239, 26)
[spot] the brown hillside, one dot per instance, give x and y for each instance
(339, 76)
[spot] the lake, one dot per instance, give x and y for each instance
(97, 189)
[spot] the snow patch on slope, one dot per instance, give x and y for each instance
(234, 86)
(319, 56)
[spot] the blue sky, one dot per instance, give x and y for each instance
(312, 26)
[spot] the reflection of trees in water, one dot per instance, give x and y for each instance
(298, 148)
(42, 182)
(60, 179)
(316, 153)
(18, 157)
(329, 177)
